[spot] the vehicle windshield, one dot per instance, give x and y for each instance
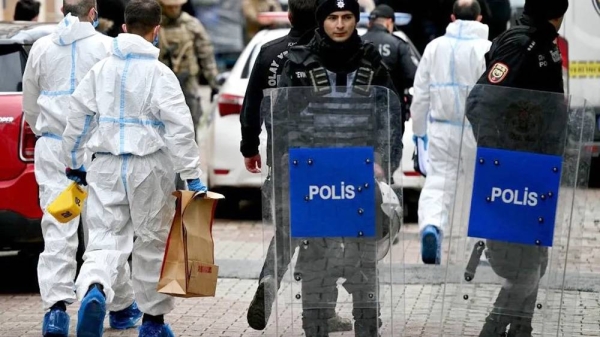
(12, 65)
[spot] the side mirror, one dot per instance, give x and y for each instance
(222, 77)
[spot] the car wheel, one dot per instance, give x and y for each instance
(26, 280)
(229, 207)
(411, 206)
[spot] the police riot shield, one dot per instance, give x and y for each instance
(331, 209)
(508, 176)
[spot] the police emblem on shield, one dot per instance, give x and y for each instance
(341, 4)
(498, 73)
(522, 122)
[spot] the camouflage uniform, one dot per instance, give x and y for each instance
(183, 42)
(251, 9)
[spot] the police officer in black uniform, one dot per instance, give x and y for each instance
(524, 57)
(265, 75)
(527, 56)
(335, 61)
(343, 58)
(396, 53)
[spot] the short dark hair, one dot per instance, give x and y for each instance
(470, 11)
(303, 13)
(26, 10)
(79, 8)
(141, 16)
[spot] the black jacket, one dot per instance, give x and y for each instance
(397, 56)
(531, 119)
(501, 12)
(316, 56)
(265, 74)
(113, 10)
(303, 58)
(531, 56)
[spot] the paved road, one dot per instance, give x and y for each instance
(414, 299)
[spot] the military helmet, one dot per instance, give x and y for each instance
(173, 2)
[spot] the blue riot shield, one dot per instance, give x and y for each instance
(330, 215)
(514, 225)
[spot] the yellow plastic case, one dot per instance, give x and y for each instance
(67, 206)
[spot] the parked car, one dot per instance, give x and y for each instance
(20, 213)
(225, 164)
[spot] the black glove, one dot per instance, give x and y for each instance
(77, 175)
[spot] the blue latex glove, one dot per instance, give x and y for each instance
(195, 185)
(77, 175)
(424, 138)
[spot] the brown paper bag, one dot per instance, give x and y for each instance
(188, 267)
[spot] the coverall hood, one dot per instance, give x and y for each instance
(70, 29)
(467, 29)
(128, 45)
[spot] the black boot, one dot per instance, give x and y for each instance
(366, 328)
(495, 326)
(366, 322)
(260, 307)
(520, 327)
(315, 322)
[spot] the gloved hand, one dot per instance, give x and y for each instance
(195, 185)
(424, 138)
(77, 175)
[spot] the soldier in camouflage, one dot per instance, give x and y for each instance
(185, 47)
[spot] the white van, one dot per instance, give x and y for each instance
(581, 54)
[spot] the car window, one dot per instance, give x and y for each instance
(250, 62)
(12, 65)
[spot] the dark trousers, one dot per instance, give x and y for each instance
(522, 267)
(282, 246)
(321, 262)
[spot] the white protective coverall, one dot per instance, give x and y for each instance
(449, 68)
(56, 64)
(130, 111)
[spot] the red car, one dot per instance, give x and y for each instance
(20, 213)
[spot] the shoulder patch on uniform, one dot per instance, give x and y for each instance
(498, 72)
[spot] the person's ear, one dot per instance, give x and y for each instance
(453, 17)
(62, 10)
(156, 30)
(91, 14)
(479, 18)
(124, 27)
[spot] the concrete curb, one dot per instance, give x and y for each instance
(416, 274)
